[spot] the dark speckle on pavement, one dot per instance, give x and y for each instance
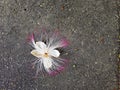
(91, 27)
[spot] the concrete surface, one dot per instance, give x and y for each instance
(90, 25)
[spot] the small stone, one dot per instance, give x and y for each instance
(66, 53)
(101, 39)
(62, 7)
(74, 66)
(76, 49)
(96, 62)
(119, 56)
(2, 33)
(69, 9)
(110, 54)
(119, 36)
(41, 5)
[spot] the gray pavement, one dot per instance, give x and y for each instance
(90, 25)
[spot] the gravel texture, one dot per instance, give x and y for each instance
(90, 25)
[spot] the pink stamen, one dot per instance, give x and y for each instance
(53, 73)
(30, 38)
(64, 42)
(57, 71)
(61, 68)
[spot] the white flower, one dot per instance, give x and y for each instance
(42, 51)
(48, 57)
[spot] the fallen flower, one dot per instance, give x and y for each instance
(47, 53)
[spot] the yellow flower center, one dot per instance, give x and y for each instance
(46, 55)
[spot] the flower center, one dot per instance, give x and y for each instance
(46, 55)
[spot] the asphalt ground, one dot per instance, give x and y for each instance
(92, 28)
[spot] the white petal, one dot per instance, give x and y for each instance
(36, 53)
(40, 44)
(47, 62)
(54, 53)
